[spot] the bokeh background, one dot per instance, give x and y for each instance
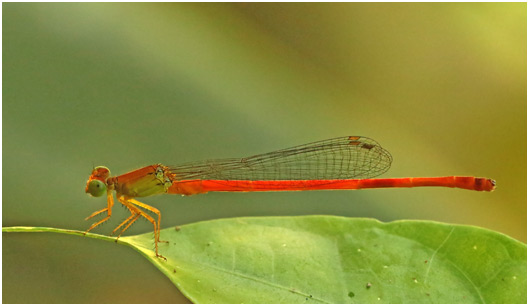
(441, 86)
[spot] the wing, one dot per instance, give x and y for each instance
(351, 157)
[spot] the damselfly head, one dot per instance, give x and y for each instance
(96, 184)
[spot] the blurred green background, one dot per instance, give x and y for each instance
(441, 86)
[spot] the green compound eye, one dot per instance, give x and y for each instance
(97, 188)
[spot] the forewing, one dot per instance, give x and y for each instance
(351, 157)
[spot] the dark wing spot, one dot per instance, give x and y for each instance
(368, 146)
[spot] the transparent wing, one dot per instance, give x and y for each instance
(351, 157)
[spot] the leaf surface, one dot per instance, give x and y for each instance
(326, 259)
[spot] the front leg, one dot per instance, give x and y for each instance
(108, 209)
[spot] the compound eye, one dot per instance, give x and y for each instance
(96, 188)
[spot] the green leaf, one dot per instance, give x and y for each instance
(325, 259)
